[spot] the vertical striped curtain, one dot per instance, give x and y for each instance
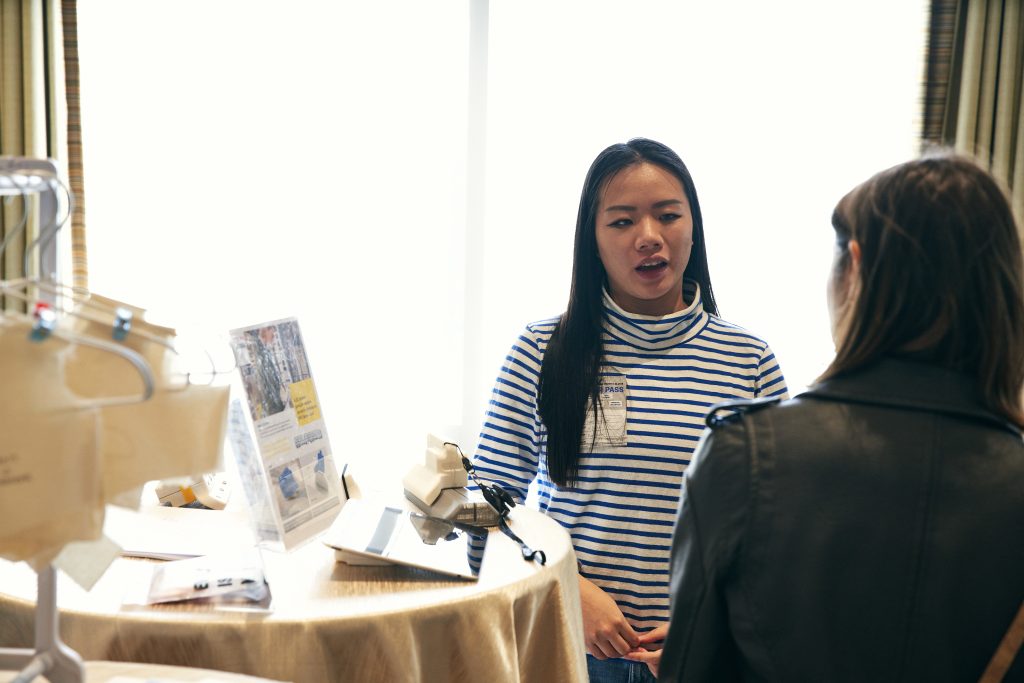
(974, 86)
(39, 119)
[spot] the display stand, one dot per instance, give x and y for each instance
(50, 657)
(280, 438)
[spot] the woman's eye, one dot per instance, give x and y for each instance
(621, 223)
(669, 217)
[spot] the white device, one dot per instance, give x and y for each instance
(438, 487)
(211, 491)
(371, 532)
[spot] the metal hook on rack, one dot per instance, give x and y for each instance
(44, 325)
(120, 319)
(22, 177)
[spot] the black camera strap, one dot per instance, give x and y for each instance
(499, 499)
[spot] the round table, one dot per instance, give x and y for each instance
(121, 672)
(330, 621)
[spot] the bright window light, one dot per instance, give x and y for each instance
(246, 162)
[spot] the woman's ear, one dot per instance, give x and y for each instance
(843, 287)
(854, 248)
(852, 275)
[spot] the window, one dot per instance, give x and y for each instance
(245, 162)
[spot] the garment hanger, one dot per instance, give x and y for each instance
(26, 175)
(20, 227)
(121, 327)
(44, 324)
(46, 232)
(21, 176)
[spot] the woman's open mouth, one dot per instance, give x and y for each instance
(652, 269)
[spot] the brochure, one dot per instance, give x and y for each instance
(233, 580)
(279, 437)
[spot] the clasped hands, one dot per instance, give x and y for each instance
(609, 635)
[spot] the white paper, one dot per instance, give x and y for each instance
(236, 575)
(179, 431)
(611, 429)
(86, 561)
(169, 533)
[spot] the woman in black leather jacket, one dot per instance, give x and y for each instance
(872, 529)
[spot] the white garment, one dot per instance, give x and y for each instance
(62, 458)
(50, 472)
(179, 431)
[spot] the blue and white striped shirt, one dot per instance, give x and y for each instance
(622, 510)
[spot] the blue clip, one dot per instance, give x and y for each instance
(122, 323)
(46, 321)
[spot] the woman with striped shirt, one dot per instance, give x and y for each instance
(600, 408)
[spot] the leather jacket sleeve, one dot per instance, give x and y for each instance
(705, 545)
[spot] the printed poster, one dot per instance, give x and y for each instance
(279, 436)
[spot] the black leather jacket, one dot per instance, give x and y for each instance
(871, 529)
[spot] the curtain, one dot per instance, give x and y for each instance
(973, 95)
(39, 119)
(76, 177)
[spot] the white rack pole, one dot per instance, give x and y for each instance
(51, 657)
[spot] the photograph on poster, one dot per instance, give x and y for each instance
(276, 360)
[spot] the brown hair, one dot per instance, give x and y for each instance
(941, 278)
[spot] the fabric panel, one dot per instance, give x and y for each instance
(33, 122)
(939, 76)
(335, 622)
(976, 63)
(76, 171)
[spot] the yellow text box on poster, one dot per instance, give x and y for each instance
(304, 401)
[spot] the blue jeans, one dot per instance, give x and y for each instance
(618, 671)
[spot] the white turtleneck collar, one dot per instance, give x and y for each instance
(656, 331)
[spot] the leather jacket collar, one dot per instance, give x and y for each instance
(910, 385)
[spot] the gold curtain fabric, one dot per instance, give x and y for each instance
(76, 177)
(37, 118)
(974, 98)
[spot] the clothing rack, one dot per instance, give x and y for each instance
(50, 657)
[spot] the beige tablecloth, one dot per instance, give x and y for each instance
(334, 622)
(120, 672)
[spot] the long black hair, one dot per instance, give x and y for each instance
(570, 373)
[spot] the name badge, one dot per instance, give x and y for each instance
(611, 428)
